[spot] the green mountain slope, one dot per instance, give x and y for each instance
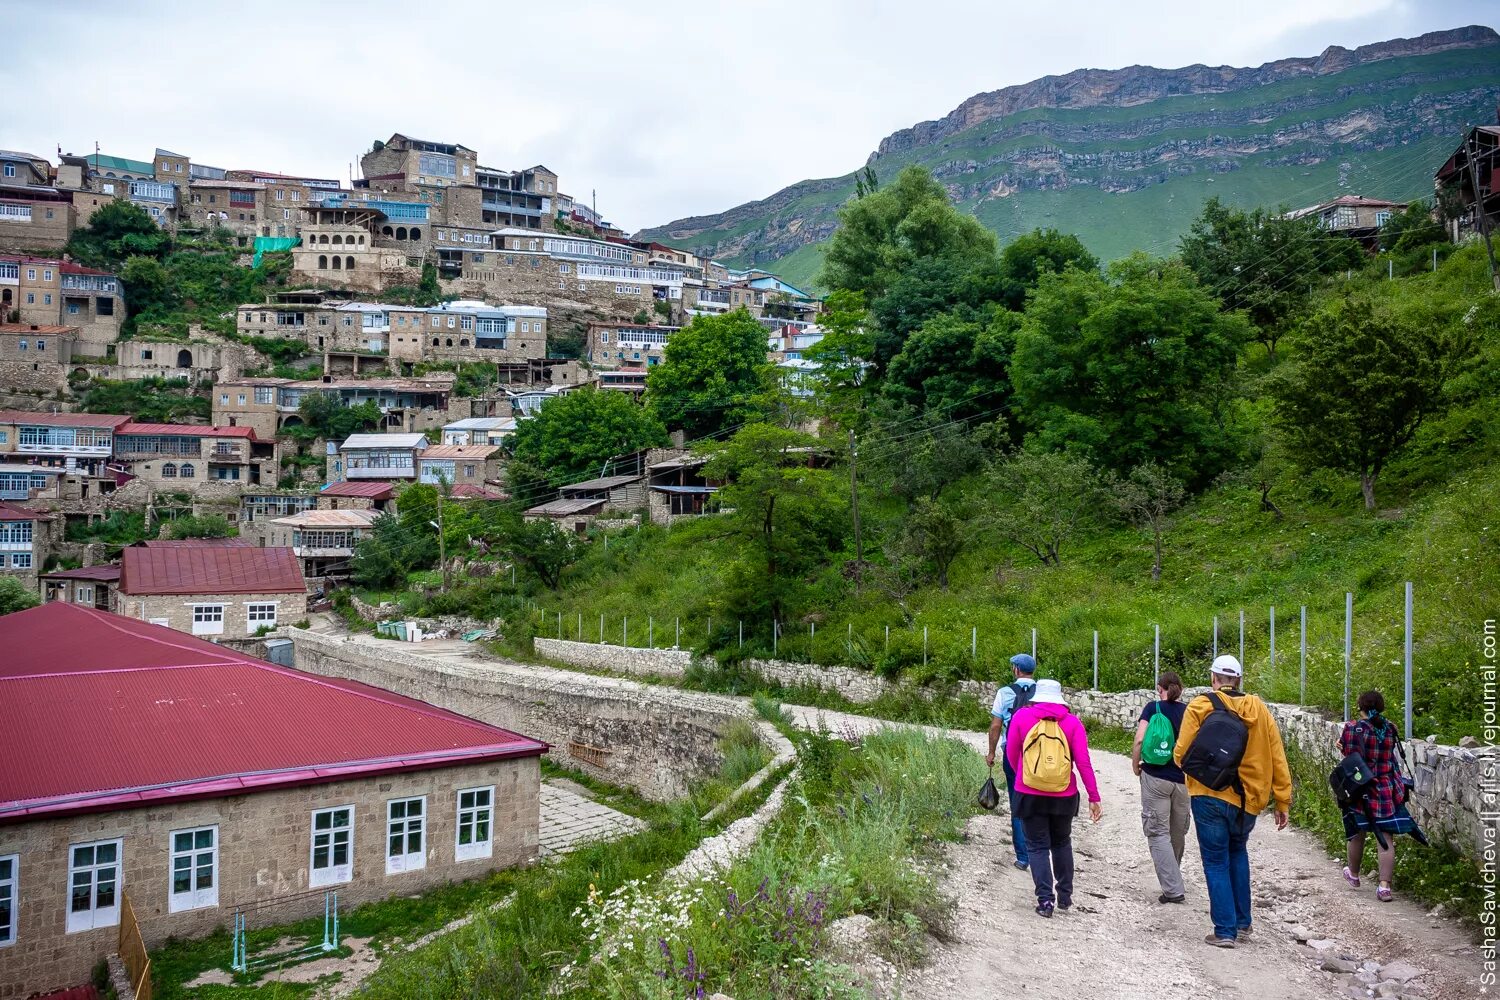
(1125, 158)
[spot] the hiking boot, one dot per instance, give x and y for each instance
(1242, 935)
(1164, 898)
(1022, 865)
(1351, 878)
(1044, 910)
(1064, 905)
(1219, 942)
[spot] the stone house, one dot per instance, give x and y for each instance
(677, 489)
(76, 442)
(323, 540)
(218, 588)
(622, 345)
(259, 507)
(27, 538)
(1352, 215)
(183, 457)
(1455, 182)
(570, 513)
(22, 481)
(90, 586)
(52, 292)
(227, 782)
(35, 358)
(376, 456)
(270, 404)
(363, 494)
(479, 430)
(459, 464)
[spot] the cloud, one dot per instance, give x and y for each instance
(667, 110)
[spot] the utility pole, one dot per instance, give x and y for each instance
(859, 550)
(1484, 221)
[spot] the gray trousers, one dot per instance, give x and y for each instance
(1166, 813)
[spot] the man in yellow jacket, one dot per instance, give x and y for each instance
(1223, 825)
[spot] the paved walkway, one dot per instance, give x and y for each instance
(570, 820)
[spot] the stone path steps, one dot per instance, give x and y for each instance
(570, 820)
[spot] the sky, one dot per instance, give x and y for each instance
(660, 110)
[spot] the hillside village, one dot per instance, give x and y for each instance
(310, 491)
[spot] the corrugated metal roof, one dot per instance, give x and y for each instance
(153, 715)
(468, 491)
(482, 424)
(607, 483)
(210, 569)
(190, 543)
(107, 572)
(374, 489)
(62, 419)
(329, 519)
(383, 441)
(562, 508)
(194, 430)
(35, 328)
(475, 451)
(11, 512)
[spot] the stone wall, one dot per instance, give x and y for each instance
(671, 663)
(657, 740)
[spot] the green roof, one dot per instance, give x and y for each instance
(103, 162)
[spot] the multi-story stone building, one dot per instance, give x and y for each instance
(269, 404)
(184, 456)
(620, 345)
(205, 804)
(35, 358)
(259, 507)
(77, 442)
(219, 588)
(34, 215)
(376, 456)
(458, 464)
(26, 539)
(323, 539)
(52, 292)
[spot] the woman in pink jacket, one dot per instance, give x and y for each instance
(1047, 816)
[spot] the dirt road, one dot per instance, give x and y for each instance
(1121, 944)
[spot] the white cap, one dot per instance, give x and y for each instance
(1226, 665)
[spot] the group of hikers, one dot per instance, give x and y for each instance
(1213, 764)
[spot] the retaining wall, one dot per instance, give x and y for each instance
(1449, 802)
(657, 740)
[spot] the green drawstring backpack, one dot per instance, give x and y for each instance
(1159, 741)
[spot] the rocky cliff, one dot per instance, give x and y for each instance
(1125, 157)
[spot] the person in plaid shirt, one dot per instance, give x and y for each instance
(1374, 738)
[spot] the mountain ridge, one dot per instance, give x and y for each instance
(1126, 160)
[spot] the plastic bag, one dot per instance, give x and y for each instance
(989, 795)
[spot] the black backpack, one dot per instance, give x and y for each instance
(1352, 781)
(1217, 750)
(1023, 693)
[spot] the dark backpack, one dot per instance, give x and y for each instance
(1352, 781)
(1023, 693)
(1217, 750)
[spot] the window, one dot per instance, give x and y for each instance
(104, 307)
(22, 344)
(84, 594)
(93, 885)
(223, 399)
(259, 616)
(280, 194)
(405, 841)
(242, 399)
(47, 275)
(10, 170)
(186, 470)
(47, 298)
(1381, 218)
(9, 866)
(564, 268)
(332, 850)
(474, 811)
(21, 560)
(31, 274)
(195, 863)
(31, 298)
(603, 336)
(41, 344)
(452, 322)
(208, 619)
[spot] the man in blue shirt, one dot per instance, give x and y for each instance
(1008, 699)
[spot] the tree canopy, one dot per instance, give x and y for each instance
(574, 434)
(712, 370)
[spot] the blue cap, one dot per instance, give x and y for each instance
(1024, 662)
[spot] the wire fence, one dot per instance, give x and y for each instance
(1288, 652)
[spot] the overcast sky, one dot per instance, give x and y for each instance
(668, 109)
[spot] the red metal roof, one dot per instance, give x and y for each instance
(33, 328)
(188, 543)
(110, 571)
(194, 430)
(154, 715)
(11, 512)
(62, 419)
(374, 489)
(210, 569)
(468, 491)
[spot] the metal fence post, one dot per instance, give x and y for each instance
(1302, 642)
(1156, 658)
(559, 625)
(651, 631)
(1216, 637)
(1033, 644)
(775, 635)
(887, 638)
(1096, 659)
(924, 645)
(580, 626)
(1348, 645)
(742, 633)
(624, 630)
(974, 643)
(677, 644)
(601, 630)
(1242, 640)
(1408, 659)
(1273, 638)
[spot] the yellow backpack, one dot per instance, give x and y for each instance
(1046, 758)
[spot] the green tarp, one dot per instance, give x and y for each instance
(264, 243)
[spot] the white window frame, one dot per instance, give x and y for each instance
(204, 625)
(470, 817)
(95, 916)
(330, 874)
(251, 610)
(193, 898)
(404, 827)
(10, 891)
(83, 594)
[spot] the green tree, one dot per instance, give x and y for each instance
(1364, 379)
(544, 549)
(787, 513)
(574, 434)
(933, 535)
(392, 550)
(116, 231)
(194, 526)
(957, 365)
(148, 287)
(843, 357)
(1264, 263)
(14, 596)
(1148, 497)
(1025, 259)
(713, 368)
(915, 454)
(1039, 501)
(1133, 369)
(324, 415)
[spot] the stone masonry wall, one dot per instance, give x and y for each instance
(657, 740)
(264, 843)
(1448, 804)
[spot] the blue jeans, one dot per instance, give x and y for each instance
(1017, 833)
(1223, 830)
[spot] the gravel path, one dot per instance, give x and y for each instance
(1121, 944)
